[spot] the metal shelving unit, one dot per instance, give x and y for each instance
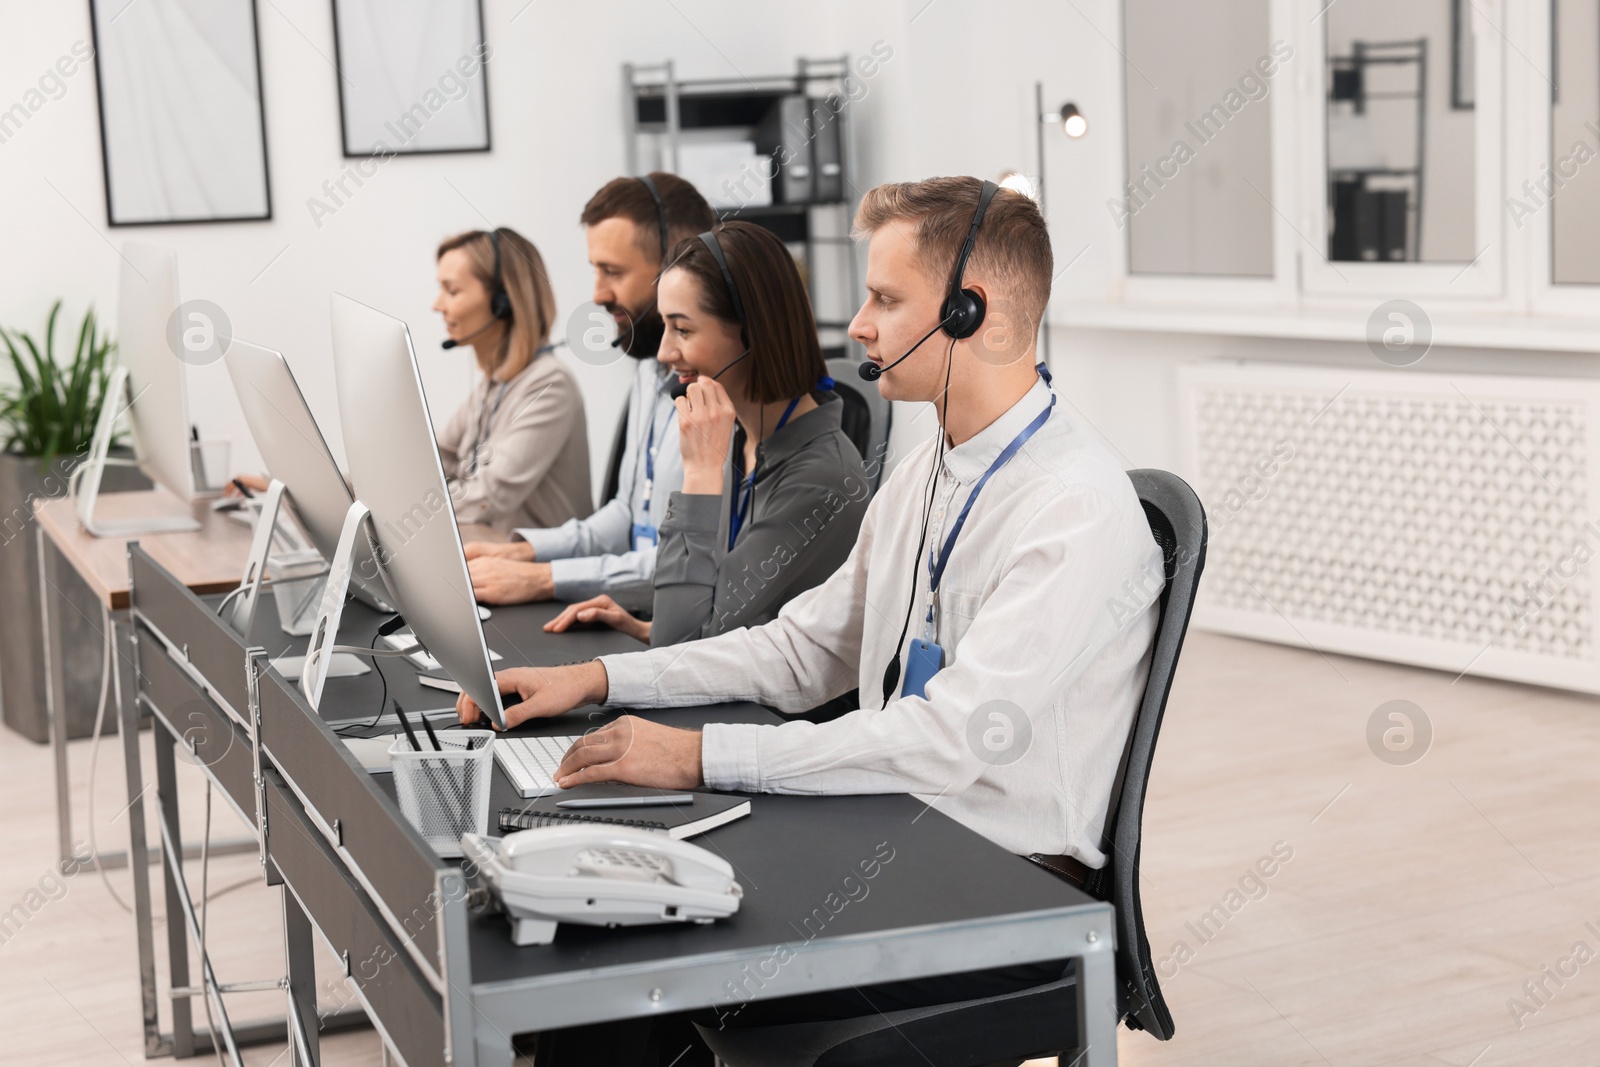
(1349, 86)
(659, 109)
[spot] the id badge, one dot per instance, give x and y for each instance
(923, 661)
(644, 536)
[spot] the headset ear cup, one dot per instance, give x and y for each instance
(500, 304)
(964, 313)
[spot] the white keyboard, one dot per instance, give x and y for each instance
(531, 762)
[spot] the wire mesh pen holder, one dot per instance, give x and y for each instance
(445, 794)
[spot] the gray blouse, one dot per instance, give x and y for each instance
(810, 495)
(517, 453)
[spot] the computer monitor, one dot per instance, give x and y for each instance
(395, 471)
(147, 386)
(296, 454)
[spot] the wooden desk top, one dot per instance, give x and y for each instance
(208, 560)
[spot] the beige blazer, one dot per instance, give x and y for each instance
(532, 450)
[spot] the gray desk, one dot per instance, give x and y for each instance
(444, 985)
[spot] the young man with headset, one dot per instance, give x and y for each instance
(983, 613)
(629, 225)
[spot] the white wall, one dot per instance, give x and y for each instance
(956, 97)
(555, 99)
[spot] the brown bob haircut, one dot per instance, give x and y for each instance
(1012, 251)
(533, 301)
(626, 198)
(785, 355)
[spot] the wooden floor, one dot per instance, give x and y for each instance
(1415, 903)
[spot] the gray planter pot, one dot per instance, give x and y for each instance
(22, 679)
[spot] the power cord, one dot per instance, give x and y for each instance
(266, 586)
(383, 701)
(891, 673)
(135, 848)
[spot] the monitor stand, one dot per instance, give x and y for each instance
(242, 611)
(319, 662)
(86, 479)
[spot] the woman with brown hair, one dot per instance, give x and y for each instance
(773, 490)
(516, 452)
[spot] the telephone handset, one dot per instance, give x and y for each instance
(599, 876)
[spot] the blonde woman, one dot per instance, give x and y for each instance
(516, 452)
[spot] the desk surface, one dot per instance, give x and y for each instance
(927, 869)
(207, 560)
(941, 898)
(839, 890)
(515, 632)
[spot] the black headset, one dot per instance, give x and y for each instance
(709, 239)
(499, 299)
(964, 309)
(661, 212)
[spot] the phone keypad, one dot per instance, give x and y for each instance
(627, 864)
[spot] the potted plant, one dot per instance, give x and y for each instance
(48, 416)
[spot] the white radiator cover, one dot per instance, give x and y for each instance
(1447, 521)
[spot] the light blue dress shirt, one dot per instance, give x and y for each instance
(600, 554)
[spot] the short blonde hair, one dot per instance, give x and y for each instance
(1012, 251)
(527, 283)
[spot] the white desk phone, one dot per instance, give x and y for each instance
(599, 876)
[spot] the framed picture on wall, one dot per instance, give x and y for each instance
(412, 76)
(182, 132)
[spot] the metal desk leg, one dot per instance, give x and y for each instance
(1097, 1005)
(492, 1047)
(301, 979)
(55, 691)
(177, 942)
(128, 726)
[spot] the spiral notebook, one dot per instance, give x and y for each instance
(678, 821)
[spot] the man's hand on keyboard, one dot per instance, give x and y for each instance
(636, 751)
(542, 692)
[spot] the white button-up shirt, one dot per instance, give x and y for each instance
(1046, 614)
(597, 554)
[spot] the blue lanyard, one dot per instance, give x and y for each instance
(646, 531)
(936, 570)
(650, 451)
(748, 491)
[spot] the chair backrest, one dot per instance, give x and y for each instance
(619, 441)
(866, 415)
(1178, 522)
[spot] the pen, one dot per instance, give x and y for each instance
(661, 801)
(245, 489)
(433, 738)
(411, 735)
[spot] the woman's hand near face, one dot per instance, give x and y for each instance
(705, 433)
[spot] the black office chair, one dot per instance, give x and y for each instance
(866, 415)
(1041, 1021)
(619, 441)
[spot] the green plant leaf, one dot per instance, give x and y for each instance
(54, 406)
